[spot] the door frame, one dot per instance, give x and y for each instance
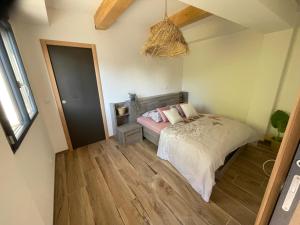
(55, 91)
(281, 167)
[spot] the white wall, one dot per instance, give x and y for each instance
(123, 69)
(245, 75)
(270, 71)
(290, 85)
(27, 179)
(220, 73)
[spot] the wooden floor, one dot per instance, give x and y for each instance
(107, 184)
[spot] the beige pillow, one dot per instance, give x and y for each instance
(173, 116)
(189, 110)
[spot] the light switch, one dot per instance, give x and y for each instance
(289, 198)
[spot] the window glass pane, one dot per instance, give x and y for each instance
(9, 105)
(24, 87)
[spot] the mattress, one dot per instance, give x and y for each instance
(150, 124)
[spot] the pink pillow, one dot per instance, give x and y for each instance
(163, 116)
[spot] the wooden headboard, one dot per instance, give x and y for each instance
(142, 105)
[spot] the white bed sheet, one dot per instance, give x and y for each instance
(198, 148)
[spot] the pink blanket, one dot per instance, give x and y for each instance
(150, 124)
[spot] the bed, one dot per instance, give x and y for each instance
(197, 149)
(200, 149)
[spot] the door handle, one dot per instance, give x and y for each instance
(64, 102)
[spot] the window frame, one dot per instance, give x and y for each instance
(14, 140)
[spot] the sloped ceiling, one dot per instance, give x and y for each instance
(210, 27)
(261, 15)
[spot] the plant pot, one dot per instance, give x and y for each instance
(275, 145)
(122, 110)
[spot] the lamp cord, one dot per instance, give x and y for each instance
(264, 167)
(166, 9)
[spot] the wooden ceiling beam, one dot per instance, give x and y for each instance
(109, 11)
(188, 15)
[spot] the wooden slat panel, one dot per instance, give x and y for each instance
(188, 15)
(109, 11)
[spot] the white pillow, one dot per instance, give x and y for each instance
(173, 116)
(189, 110)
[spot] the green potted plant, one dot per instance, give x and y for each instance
(279, 121)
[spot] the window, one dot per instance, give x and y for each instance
(17, 106)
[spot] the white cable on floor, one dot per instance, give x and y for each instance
(264, 165)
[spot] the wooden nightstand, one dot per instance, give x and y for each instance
(129, 133)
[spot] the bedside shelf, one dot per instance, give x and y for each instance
(129, 133)
(119, 116)
(125, 131)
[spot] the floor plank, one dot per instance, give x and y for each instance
(233, 207)
(209, 211)
(250, 201)
(85, 159)
(101, 200)
(141, 166)
(108, 184)
(80, 208)
(61, 205)
(121, 193)
(176, 203)
(75, 178)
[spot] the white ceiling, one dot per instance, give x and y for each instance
(74, 5)
(90, 6)
(30, 11)
(35, 11)
(230, 15)
(150, 12)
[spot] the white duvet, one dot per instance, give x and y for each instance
(198, 148)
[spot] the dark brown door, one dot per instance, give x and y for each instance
(74, 72)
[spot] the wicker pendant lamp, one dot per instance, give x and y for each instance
(165, 40)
